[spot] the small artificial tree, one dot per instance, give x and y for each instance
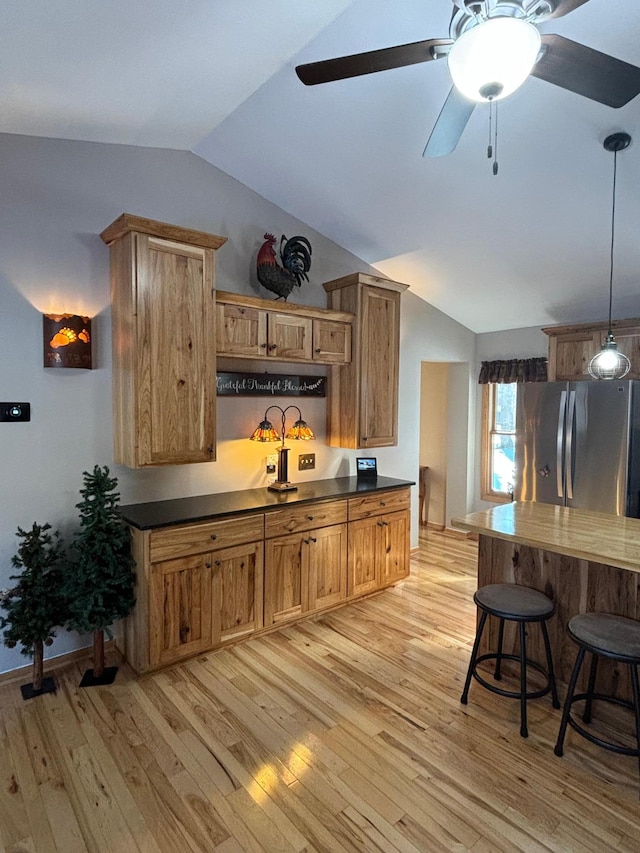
(100, 580)
(35, 605)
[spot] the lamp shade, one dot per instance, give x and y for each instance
(494, 58)
(609, 363)
(265, 432)
(301, 430)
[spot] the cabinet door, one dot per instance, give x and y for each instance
(378, 553)
(176, 354)
(365, 553)
(290, 336)
(241, 331)
(331, 342)
(286, 594)
(570, 354)
(327, 565)
(394, 564)
(379, 340)
(179, 609)
(628, 340)
(237, 596)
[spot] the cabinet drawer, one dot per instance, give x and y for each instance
(283, 521)
(171, 542)
(379, 503)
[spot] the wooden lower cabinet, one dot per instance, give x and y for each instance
(378, 552)
(304, 572)
(198, 603)
(202, 585)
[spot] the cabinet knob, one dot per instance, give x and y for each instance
(207, 565)
(310, 517)
(214, 536)
(209, 450)
(263, 346)
(272, 347)
(306, 541)
(382, 503)
(318, 349)
(381, 524)
(218, 562)
(365, 438)
(313, 538)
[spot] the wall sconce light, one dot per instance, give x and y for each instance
(67, 340)
(265, 431)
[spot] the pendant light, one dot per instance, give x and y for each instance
(610, 363)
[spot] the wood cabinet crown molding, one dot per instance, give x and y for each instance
(128, 222)
(596, 325)
(283, 307)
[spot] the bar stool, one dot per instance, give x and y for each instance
(604, 635)
(513, 603)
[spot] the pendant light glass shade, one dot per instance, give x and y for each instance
(494, 58)
(610, 363)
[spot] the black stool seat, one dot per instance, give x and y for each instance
(605, 634)
(514, 602)
(511, 602)
(602, 635)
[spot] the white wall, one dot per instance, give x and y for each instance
(529, 342)
(57, 196)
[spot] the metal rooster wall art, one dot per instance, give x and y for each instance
(295, 263)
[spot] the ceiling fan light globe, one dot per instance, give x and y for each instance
(609, 363)
(496, 55)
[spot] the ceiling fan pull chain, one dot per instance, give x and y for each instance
(490, 146)
(495, 144)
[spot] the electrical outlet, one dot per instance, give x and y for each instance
(306, 461)
(272, 463)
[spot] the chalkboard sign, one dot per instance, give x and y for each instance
(270, 385)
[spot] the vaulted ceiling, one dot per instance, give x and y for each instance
(529, 246)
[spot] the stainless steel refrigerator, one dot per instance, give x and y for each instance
(578, 445)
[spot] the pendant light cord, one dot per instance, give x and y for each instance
(492, 147)
(613, 234)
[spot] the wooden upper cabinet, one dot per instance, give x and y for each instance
(249, 327)
(571, 348)
(363, 402)
(164, 367)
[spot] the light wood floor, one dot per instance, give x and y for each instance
(341, 733)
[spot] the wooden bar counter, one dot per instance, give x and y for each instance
(584, 561)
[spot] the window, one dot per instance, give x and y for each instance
(498, 440)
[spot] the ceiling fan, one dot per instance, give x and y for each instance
(493, 47)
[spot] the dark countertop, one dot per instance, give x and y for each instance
(204, 507)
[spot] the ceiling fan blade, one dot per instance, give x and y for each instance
(587, 72)
(564, 7)
(368, 63)
(449, 125)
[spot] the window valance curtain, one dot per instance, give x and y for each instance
(513, 370)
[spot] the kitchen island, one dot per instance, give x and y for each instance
(584, 561)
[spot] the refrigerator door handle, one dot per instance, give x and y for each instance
(561, 410)
(569, 454)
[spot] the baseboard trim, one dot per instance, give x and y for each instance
(53, 664)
